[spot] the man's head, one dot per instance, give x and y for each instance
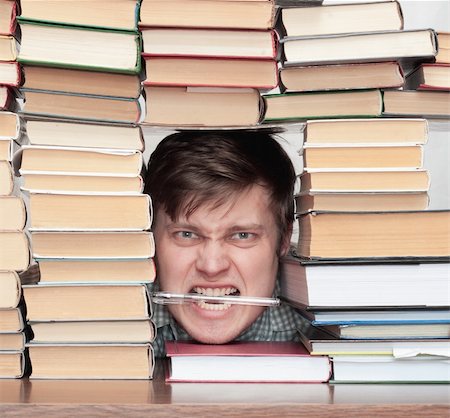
(223, 214)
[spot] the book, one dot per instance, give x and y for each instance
(93, 245)
(97, 271)
(15, 254)
(12, 213)
(359, 181)
(78, 212)
(443, 55)
(335, 104)
(198, 42)
(59, 302)
(419, 369)
(9, 125)
(83, 134)
(98, 49)
(244, 362)
(6, 98)
(337, 235)
(118, 14)
(211, 72)
(253, 14)
(11, 320)
(184, 106)
(342, 18)
(81, 161)
(6, 178)
(50, 183)
(91, 361)
(342, 76)
(408, 46)
(80, 106)
(6, 149)
(12, 364)
(12, 341)
(8, 48)
(10, 289)
(10, 74)
(429, 77)
(362, 201)
(369, 284)
(367, 131)
(8, 12)
(105, 332)
(362, 156)
(432, 104)
(70, 80)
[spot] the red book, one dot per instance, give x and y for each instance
(245, 362)
(8, 12)
(429, 77)
(6, 98)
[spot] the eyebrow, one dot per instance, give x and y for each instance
(234, 228)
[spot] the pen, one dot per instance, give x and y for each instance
(167, 298)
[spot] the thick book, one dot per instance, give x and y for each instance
(12, 213)
(337, 235)
(184, 106)
(361, 201)
(211, 72)
(319, 105)
(98, 49)
(7, 146)
(12, 341)
(6, 178)
(84, 135)
(81, 161)
(93, 245)
(342, 76)
(139, 331)
(367, 131)
(197, 42)
(371, 284)
(7, 98)
(97, 271)
(408, 46)
(10, 289)
(80, 106)
(357, 156)
(76, 302)
(360, 181)
(11, 320)
(10, 126)
(89, 212)
(117, 14)
(443, 55)
(91, 361)
(51, 183)
(342, 18)
(254, 14)
(8, 48)
(10, 73)
(413, 103)
(429, 77)
(8, 12)
(15, 254)
(244, 362)
(12, 364)
(75, 81)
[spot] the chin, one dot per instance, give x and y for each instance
(215, 337)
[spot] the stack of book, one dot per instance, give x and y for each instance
(206, 61)
(90, 315)
(336, 58)
(372, 266)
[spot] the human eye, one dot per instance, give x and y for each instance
(243, 236)
(185, 235)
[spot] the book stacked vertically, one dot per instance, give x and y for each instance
(207, 61)
(90, 314)
(337, 58)
(373, 264)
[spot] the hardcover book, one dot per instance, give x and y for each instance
(10, 73)
(8, 48)
(12, 213)
(10, 289)
(429, 77)
(8, 12)
(9, 125)
(15, 254)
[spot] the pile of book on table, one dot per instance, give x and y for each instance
(81, 169)
(371, 270)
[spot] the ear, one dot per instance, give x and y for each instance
(286, 241)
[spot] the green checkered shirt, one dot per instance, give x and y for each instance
(275, 324)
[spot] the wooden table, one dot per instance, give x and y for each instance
(153, 399)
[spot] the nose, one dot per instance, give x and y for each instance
(212, 259)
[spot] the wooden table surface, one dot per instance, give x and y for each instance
(155, 398)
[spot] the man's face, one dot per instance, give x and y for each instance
(231, 249)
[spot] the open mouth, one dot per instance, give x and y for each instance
(208, 291)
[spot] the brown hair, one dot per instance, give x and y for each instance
(188, 169)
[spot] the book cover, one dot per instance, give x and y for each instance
(8, 13)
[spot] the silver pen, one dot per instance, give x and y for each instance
(167, 298)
